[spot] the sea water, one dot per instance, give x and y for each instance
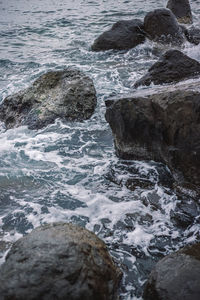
(69, 171)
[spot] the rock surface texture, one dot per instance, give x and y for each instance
(176, 277)
(59, 261)
(161, 26)
(69, 95)
(193, 35)
(173, 66)
(123, 35)
(161, 125)
(181, 9)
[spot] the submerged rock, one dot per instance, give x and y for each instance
(173, 66)
(161, 125)
(161, 26)
(181, 9)
(123, 35)
(68, 94)
(176, 277)
(59, 261)
(186, 212)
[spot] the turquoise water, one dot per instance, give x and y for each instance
(69, 171)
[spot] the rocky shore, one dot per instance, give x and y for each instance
(64, 261)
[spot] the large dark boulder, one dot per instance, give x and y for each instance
(181, 9)
(161, 125)
(176, 277)
(68, 94)
(161, 26)
(123, 35)
(59, 261)
(173, 66)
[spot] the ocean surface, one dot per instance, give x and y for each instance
(69, 171)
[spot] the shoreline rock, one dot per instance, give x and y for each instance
(59, 261)
(161, 26)
(68, 94)
(123, 35)
(181, 9)
(160, 125)
(176, 276)
(173, 66)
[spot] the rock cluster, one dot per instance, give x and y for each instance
(59, 261)
(159, 25)
(163, 124)
(68, 94)
(63, 261)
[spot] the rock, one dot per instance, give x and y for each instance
(186, 213)
(161, 125)
(123, 35)
(193, 35)
(173, 66)
(176, 277)
(133, 183)
(68, 94)
(161, 26)
(181, 9)
(59, 261)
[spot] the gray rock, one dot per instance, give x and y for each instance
(161, 26)
(59, 261)
(181, 9)
(173, 66)
(186, 212)
(68, 94)
(123, 35)
(193, 35)
(176, 277)
(161, 125)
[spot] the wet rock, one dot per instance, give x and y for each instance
(161, 26)
(181, 9)
(193, 35)
(161, 125)
(152, 199)
(59, 261)
(123, 35)
(186, 213)
(176, 277)
(134, 183)
(173, 66)
(68, 94)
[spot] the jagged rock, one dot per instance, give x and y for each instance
(176, 277)
(161, 26)
(59, 261)
(181, 9)
(161, 125)
(123, 35)
(173, 66)
(68, 94)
